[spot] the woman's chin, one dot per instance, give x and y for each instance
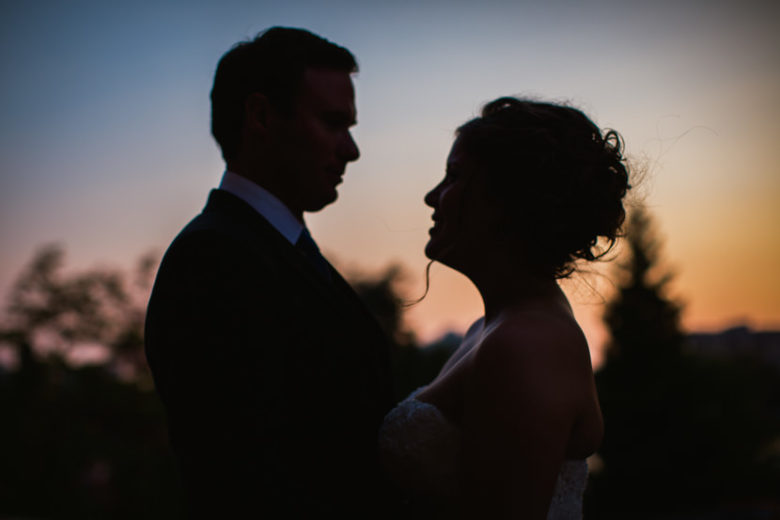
(430, 250)
(435, 251)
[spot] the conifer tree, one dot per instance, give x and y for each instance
(682, 432)
(638, 380)
(643, 321)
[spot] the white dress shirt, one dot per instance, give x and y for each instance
(271, 208)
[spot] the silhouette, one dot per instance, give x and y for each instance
(274, 376)
(504, 429)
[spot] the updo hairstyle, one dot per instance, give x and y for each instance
(559, 178)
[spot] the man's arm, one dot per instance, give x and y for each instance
(209, 333)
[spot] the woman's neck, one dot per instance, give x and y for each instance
(502, 290)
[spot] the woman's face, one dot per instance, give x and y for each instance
(461, 214)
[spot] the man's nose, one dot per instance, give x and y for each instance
(349, 150)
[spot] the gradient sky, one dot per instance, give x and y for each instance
(105, 145)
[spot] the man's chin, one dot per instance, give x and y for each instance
(321, 203)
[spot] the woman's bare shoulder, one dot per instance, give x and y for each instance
(533, 352)
(525, 335)
(475, 328)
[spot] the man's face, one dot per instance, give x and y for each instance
(313, 145)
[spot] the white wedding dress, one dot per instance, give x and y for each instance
(419, 448)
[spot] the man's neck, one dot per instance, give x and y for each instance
(265, 203)
(254, 175)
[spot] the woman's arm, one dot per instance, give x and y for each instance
(520, 404)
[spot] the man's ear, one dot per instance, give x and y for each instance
(257, 112)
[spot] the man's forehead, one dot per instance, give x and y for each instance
(328, 86)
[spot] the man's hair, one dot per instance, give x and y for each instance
(273, 63)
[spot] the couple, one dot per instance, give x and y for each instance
(275, 378)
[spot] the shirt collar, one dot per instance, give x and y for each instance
(271, 208)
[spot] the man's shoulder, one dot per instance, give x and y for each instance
(227, 233)
(227, 218)
(224, 212)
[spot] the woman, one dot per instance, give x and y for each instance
(505, 428)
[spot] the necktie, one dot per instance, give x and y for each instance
(309, 249)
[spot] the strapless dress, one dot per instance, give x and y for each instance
(419, 450)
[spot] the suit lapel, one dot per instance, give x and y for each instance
(257, 231)
(253, 228)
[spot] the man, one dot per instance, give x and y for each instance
(274, 376)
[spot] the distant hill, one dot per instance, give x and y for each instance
(737, 342)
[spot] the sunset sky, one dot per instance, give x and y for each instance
(105, 145)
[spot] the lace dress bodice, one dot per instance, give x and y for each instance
(419, 449)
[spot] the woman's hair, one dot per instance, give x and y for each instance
(560, 179)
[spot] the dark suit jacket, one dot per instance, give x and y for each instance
(275, 381)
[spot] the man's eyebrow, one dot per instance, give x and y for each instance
(341, 117)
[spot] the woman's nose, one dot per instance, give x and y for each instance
(431, 197)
